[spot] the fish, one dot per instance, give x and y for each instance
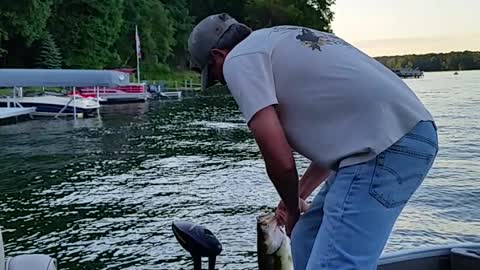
(273, 244)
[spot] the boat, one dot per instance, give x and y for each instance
(408, 73)
(47, 105)
(130, 93)
(201, 242)
(26, 261)
(453, 257)
(54, 105)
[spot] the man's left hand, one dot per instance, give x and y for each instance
(281, 211)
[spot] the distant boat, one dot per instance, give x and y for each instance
(47, 105)
(456, 73)
(408, 73)
(53, 105)
(133, 92)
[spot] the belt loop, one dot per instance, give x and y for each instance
(381, 159)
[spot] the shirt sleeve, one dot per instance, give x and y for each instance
(250, 80)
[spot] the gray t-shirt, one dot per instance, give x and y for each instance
(338, 106)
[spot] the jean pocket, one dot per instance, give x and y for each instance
(397, 175)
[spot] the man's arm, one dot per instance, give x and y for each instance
(311, 179)
(277, 153)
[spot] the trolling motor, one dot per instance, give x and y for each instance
(198, 241)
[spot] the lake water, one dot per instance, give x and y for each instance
(102, 193)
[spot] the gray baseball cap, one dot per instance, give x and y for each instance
(203, 39)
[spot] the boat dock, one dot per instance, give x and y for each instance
(173, 89)
(14, 112)
(171, 94)
(11, 115)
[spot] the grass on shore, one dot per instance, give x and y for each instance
(30, 91)
(175, 78)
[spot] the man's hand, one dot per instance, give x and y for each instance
(282, 213)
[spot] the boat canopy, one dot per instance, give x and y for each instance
(62, 78)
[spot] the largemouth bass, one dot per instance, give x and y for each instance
(273, 244)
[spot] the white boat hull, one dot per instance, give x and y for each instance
(52, 105)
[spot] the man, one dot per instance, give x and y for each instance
(311, 92)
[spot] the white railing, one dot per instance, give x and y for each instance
(186, 85)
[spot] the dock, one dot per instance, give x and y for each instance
(173, 89)
(14, 112)
(14, 115)
(172, 94)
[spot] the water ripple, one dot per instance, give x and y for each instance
(102, 193)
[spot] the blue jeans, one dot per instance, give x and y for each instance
(352, 216)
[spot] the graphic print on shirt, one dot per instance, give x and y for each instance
(313, 40)
(310, 40)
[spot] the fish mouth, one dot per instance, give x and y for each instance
(272, 235)
(273, 244)
(265, 217)
(270, 220)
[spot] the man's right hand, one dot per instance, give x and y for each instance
(282, 213)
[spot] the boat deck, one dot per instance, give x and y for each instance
(455, 257)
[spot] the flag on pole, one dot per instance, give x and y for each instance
(137, 43)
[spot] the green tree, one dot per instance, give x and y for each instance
(3, 37)
(49, 55)
(434, 62)
(309, 13)
(316, 14)
(86, 30)
(24, 18)
(267, 13)
(204, 8)
(22, 22)
(156, 34)
(183, 24)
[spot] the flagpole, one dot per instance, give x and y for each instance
(137, 52)
(138, 69)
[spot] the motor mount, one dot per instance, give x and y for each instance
(198, 241)
(26, 261)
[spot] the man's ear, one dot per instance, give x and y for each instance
(218, 53)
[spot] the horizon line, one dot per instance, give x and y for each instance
(422, 54)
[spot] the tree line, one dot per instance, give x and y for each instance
(100, 34)
(466, 60)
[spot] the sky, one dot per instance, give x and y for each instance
(395, 27)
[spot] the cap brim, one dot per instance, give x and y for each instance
(206, 80)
